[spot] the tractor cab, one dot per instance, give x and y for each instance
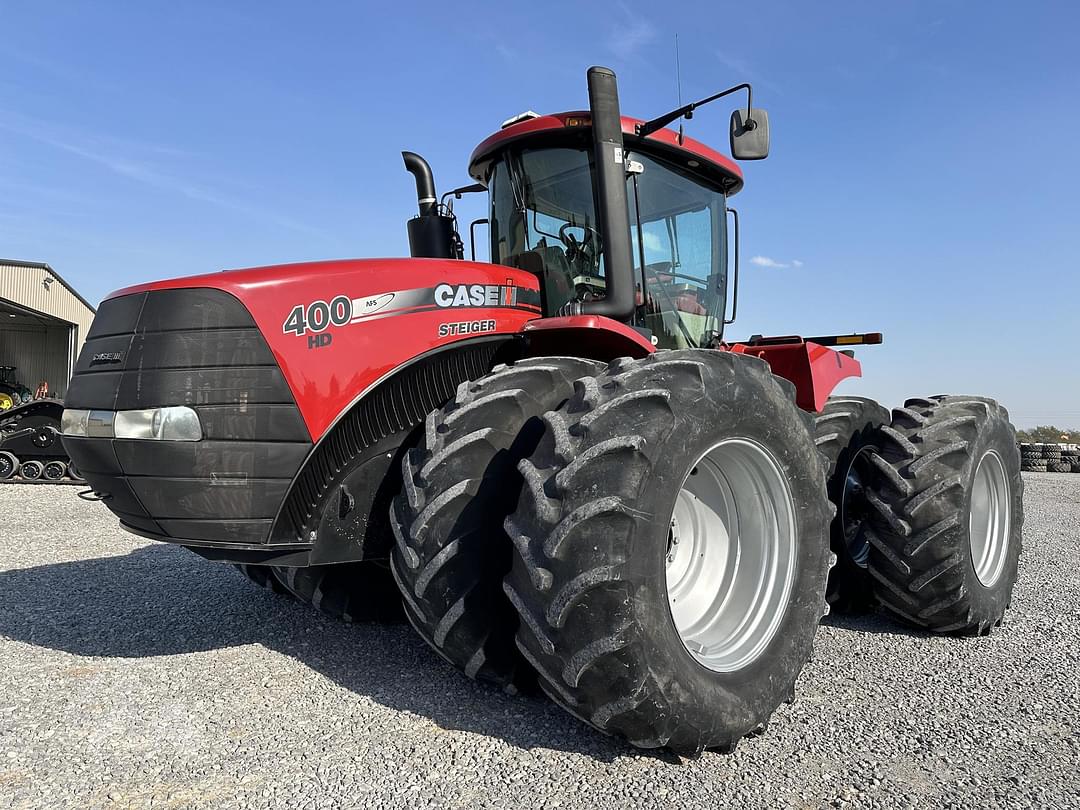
(615, 216)
(540, 173)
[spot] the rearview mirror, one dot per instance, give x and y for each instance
(750, 137)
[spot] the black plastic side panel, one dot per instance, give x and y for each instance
(200, 348)
(254, 423)
(209, 459)
(147, 388)
(117, 316)
(200, 309)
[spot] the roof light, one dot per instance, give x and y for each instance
(528, 115)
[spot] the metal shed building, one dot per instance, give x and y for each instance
(43, 323)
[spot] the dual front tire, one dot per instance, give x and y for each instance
(655, 556)
(672, 550)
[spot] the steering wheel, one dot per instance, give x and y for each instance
(574, 248)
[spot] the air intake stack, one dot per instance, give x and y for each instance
(432, 235)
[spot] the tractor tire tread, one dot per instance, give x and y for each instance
(919, 557)
(574, 591)
(460, 482)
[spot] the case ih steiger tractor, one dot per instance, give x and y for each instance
(556, 463)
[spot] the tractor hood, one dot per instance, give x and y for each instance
(259, 364)
(336, 327)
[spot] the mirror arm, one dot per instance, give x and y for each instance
(687, 111)
(457, 192)
(472, 234)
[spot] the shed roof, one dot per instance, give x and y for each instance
(17, 263)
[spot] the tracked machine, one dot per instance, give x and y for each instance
(557, 463)
(30, 447)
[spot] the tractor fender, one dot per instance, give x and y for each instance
(590, 336)
(353, 469)
(814, 370)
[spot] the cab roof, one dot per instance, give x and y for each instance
(698, 158)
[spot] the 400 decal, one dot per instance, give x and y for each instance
(339, 311)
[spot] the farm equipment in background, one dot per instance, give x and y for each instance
(30, 445)
(1060, 457)
(574, 477)
(12, 392)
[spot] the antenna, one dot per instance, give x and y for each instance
(678, 83)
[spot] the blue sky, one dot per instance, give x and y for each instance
(924, 177)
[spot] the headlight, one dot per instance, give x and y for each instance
(176, 423)
(173, 424)
(134, 424)
(99, 424)
(73, 422)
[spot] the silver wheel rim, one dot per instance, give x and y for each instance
(731, 554)
(988, 521)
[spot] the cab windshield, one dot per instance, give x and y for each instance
(680, 255)
(543, 219)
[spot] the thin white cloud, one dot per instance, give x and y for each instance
(628, 36)
(765, 261)
(743, 71)
(142, 171)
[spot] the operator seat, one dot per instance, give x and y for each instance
(549, 265)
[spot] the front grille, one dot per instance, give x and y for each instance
(200, 348)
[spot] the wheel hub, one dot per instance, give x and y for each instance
(990, 518)
(730, 562)
(852, 511)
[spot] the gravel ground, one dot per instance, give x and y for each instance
(136, 674)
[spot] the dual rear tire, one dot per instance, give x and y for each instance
(947, 514)
(929, 509)
(846, 432)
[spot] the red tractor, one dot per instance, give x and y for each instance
(556, 463)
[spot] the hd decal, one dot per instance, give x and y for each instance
(342, 310)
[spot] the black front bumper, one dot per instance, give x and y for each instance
(199, 348)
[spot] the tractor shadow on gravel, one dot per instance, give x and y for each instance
(874, 621)
(163, 600)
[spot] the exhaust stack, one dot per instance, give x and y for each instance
(612, 211)
(431, 235)
(425, 182)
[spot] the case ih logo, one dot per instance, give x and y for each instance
(476, 295)
(107, 357)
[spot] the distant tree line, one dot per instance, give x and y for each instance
(1048, 433)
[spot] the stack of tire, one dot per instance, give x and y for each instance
(1046, 457)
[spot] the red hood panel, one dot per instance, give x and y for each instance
(338, 327)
